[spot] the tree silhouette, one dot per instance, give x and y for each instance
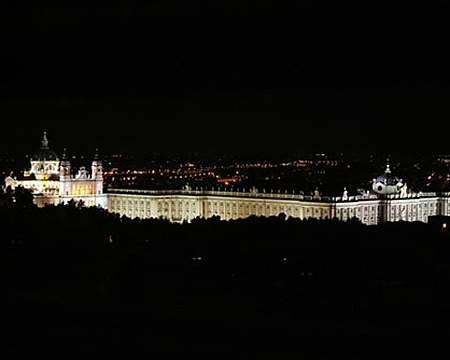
(20, 196)
(23, 197)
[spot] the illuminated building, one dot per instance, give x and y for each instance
(388, 200)
(51, 181)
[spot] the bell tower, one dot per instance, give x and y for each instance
(97, 173)
(65, 175)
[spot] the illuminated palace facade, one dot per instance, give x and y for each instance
(388, 200)
(51, 180)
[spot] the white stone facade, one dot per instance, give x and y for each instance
(185, 205)
(188, 204)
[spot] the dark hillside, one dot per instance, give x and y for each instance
(80, 281)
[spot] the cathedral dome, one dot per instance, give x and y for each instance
(44, 153)
(387, 183)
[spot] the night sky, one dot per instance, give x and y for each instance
(233, 77)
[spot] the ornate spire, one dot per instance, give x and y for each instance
(96, 155)
(388, 169)
(64, 157)
(44, 141)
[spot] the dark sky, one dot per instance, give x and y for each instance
(229, 77)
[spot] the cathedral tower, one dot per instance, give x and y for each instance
(97, 173)
(65, 175)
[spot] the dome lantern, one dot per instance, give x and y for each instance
(44, 153)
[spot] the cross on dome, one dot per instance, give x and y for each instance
(388, 169)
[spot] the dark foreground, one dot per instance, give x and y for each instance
(79, 284)
(374, 322)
